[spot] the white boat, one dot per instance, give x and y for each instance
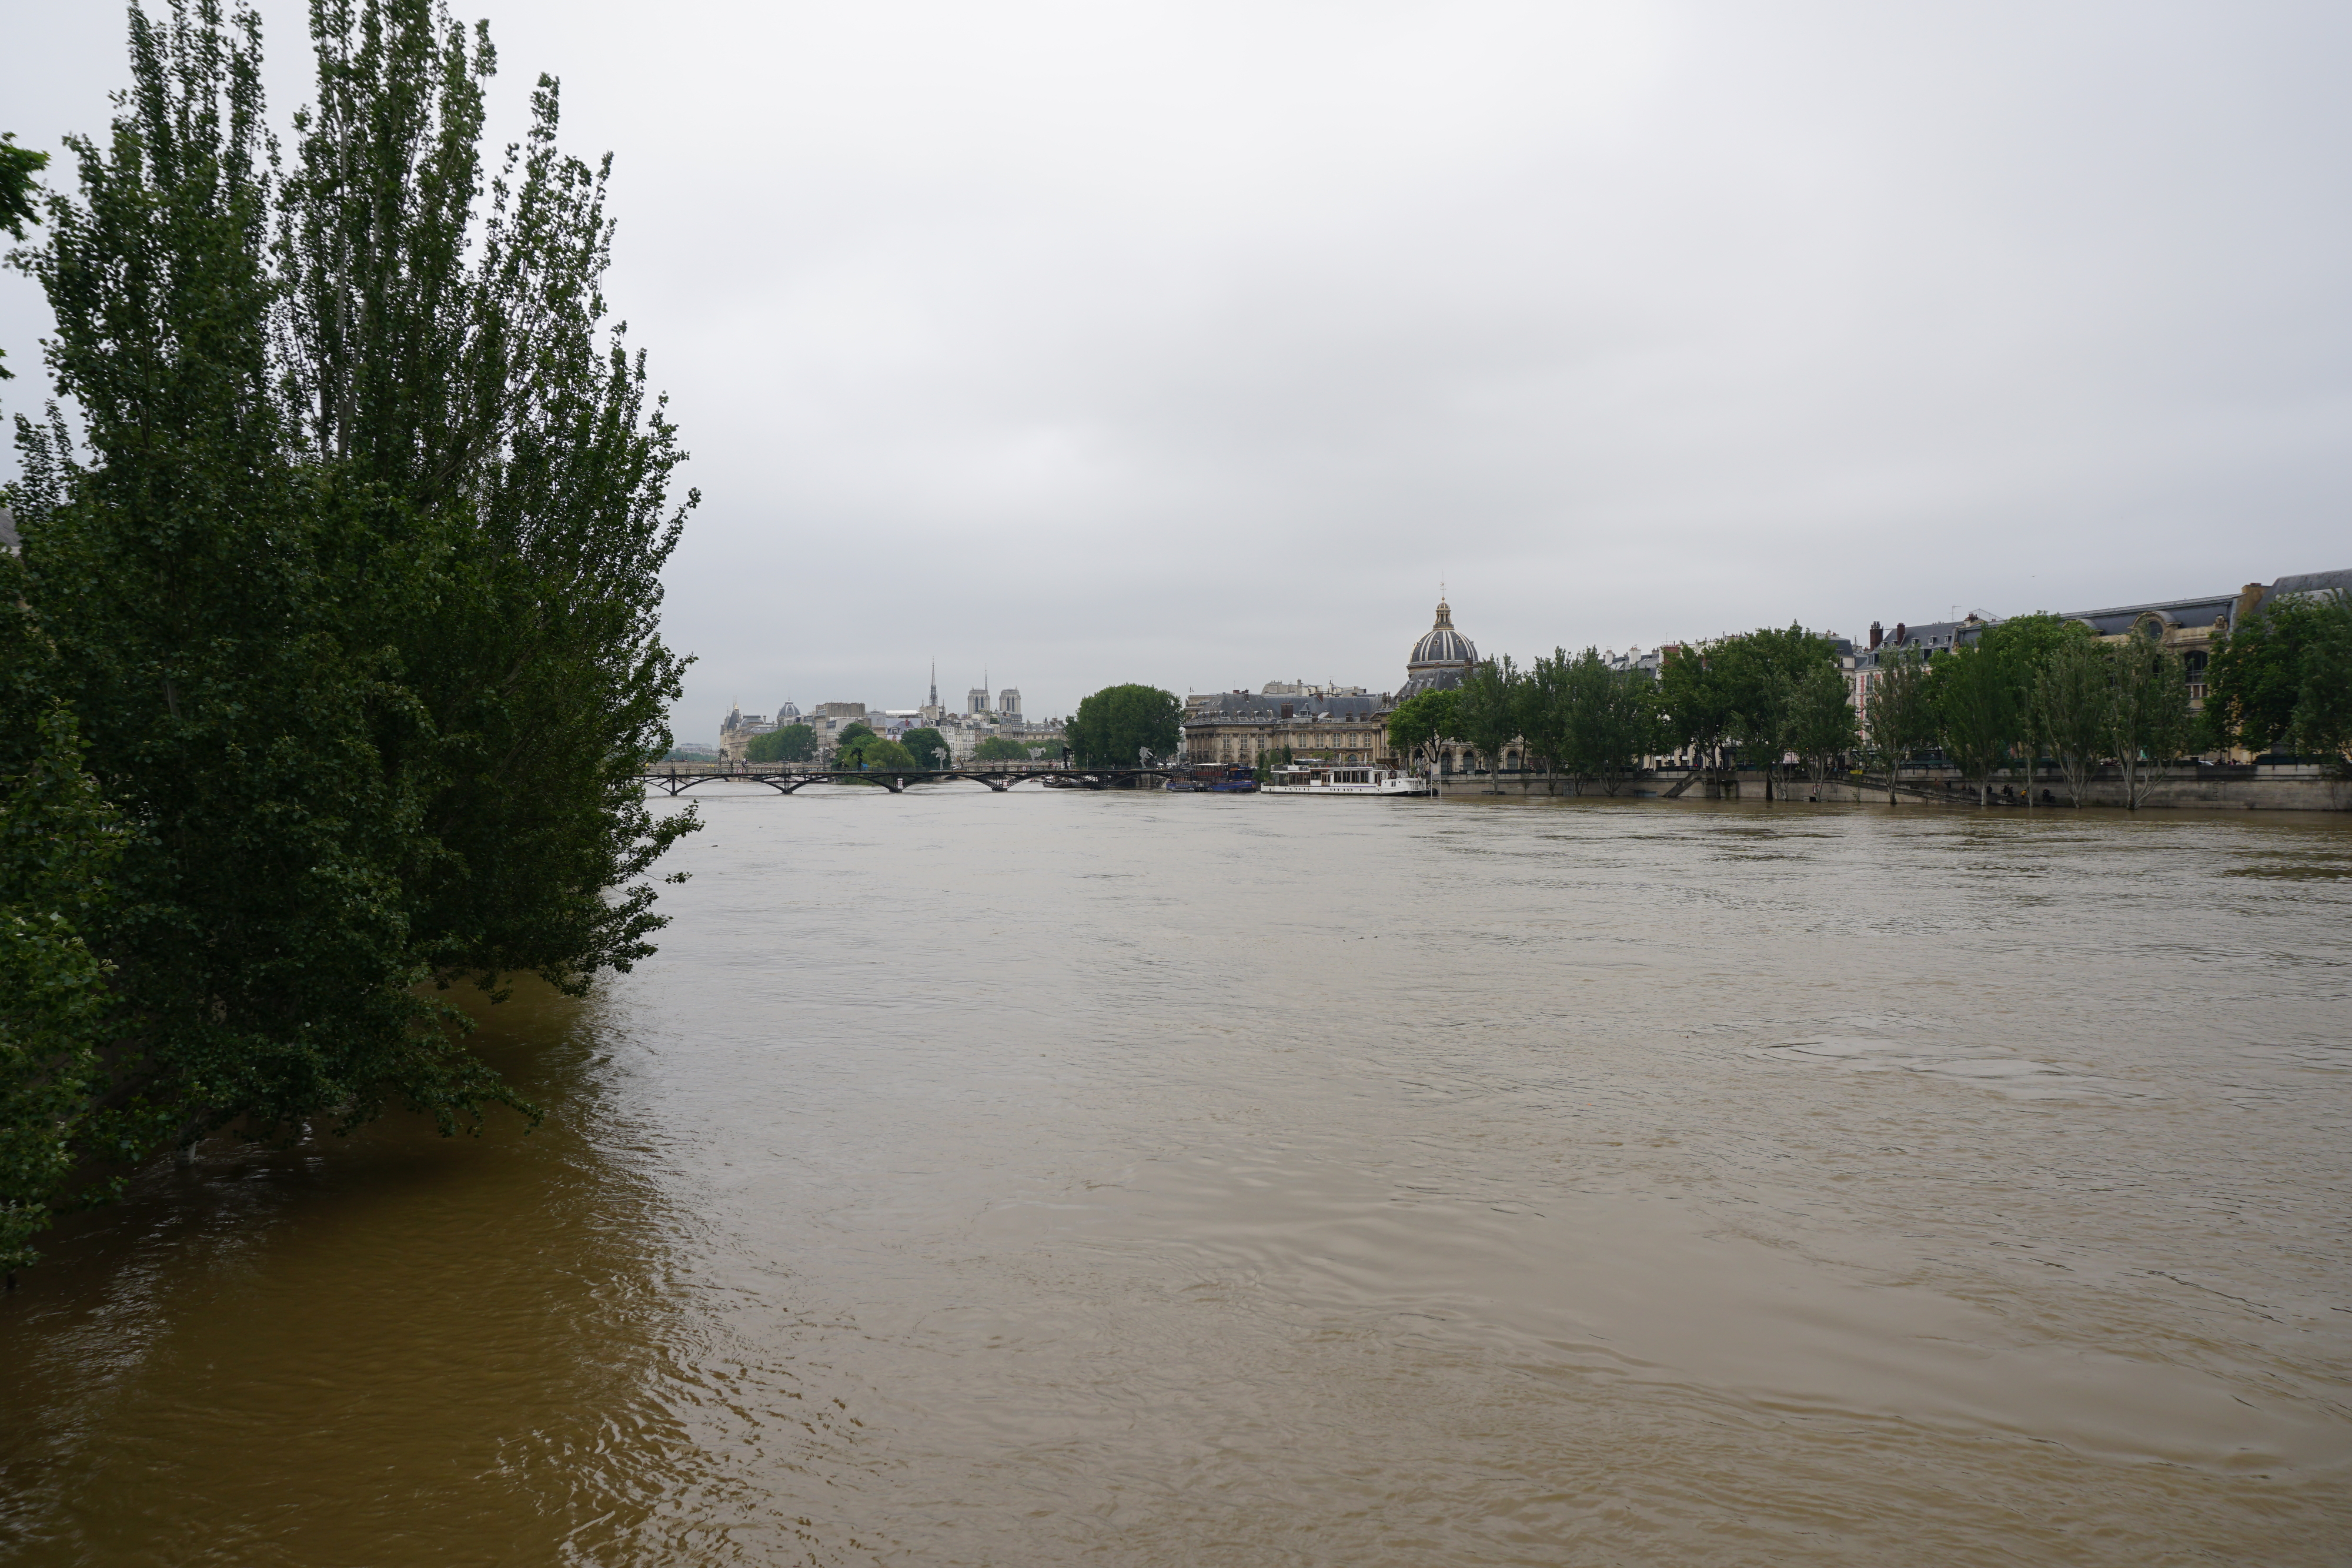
(1344, 778)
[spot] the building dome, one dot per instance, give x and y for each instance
(1441, 647)
(1440, 659)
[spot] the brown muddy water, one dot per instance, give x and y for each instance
(1072, 1178)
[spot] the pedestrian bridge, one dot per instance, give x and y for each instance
(786, 777)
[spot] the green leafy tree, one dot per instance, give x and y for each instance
(1980, 712)
(228, 623)
(1822, 727)
(999, 749)
(453, 352)
(2148, 721)
(58, 840)
(1608, 722)
(19, 169)
(1899, 717)
(869, 752)
(1420, 725)
(2323, 709)
(1544, 705)
(1694, 696)
(788, 743)
(1272, 761)
(1116, 724)
(354, 575)
(1756, 679)
(1486, 708)
(2255, 676)
(2024, 647)
(927, 747)
(2074, 695)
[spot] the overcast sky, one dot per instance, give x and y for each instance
(1196, 344)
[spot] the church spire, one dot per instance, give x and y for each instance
(934, 699)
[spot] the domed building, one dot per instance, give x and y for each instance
(1440, 659)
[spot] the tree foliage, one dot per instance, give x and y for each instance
(1744, 692)
(1116, 724)
(1544, 705)
(2072, 694)
(1695, 702)
(2148, 721)
(58, 841)
(19, 166)
(1001, 748)
(1423, 723)
(2322, 710)
(2024, 645)
(1486, 707)
(927, 747)
(1899, 717)
(1822, 727)
(353, 576)
(786, 743)
(867, 750)
(2282, 676)
(1603, 721)
(1979, 710)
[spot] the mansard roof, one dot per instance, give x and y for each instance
(1443, 678)
(2199, 611)
(2310, 583)
(1228, 707)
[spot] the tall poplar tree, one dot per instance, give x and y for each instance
(453, 353)
(2148, 721)
(2072, 695)
(351, 576)
(1980, 713)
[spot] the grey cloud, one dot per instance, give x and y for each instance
(1195, 344)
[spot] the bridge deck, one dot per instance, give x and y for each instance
(785, 778)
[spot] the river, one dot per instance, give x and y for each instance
(1060, 1177)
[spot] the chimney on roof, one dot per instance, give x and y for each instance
(1876, 636)
(2250, 598)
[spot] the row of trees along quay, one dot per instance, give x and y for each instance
(329, 658)
(2033, 691)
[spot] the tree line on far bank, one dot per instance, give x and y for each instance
(329, 663)
(2032, 687)
(1111, 728)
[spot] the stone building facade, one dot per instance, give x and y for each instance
(1329, 723)
(737, 730)
(1239, 728)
